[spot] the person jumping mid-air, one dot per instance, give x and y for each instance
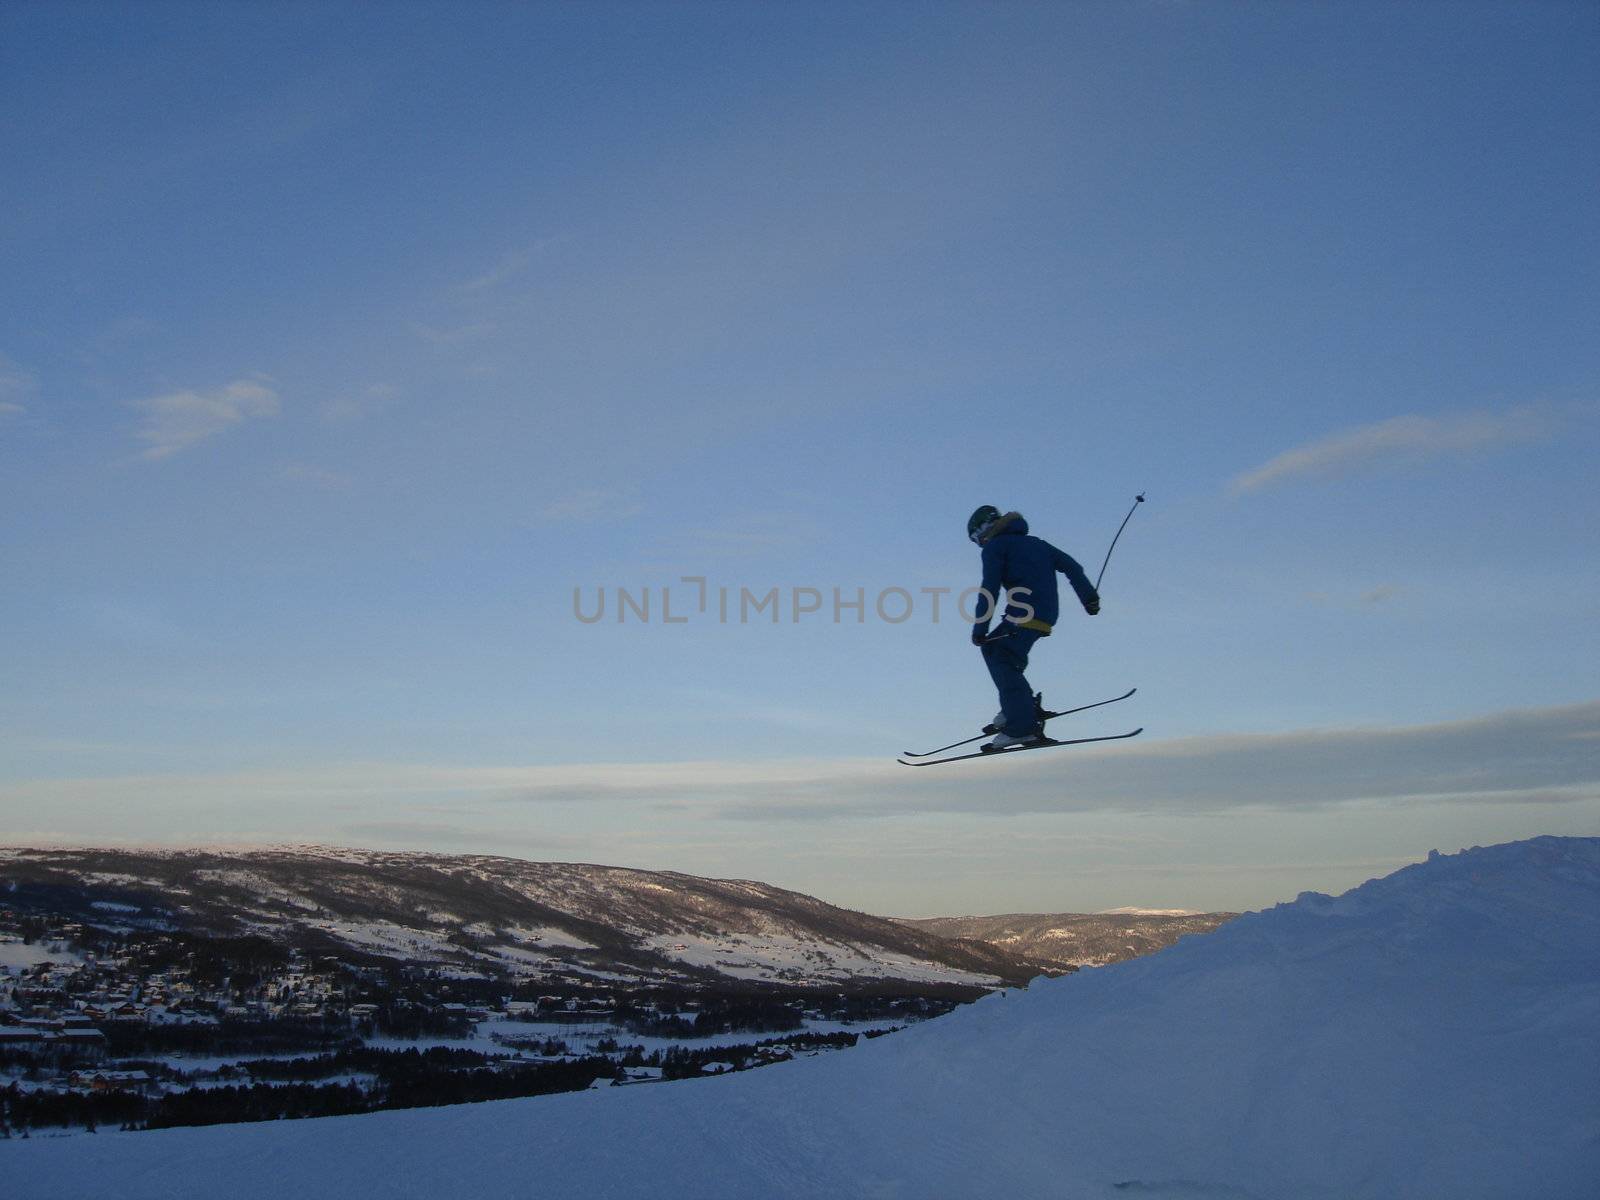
(1025, 566)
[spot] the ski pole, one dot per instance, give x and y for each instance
(1137, 500)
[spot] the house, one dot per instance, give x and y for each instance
(110, 1081)
(83, 1043)
(639, 1075)
(51, 1045)
(18, 1037)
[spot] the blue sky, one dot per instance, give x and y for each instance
(340, 344)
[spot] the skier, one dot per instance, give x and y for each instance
(1026, 567)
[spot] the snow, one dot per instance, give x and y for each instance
(256, 885)
(549, 937)
(120, 879)
(582, 1039)
(17, 955)
(775, 956)
(1433, 1033)
(388, 939)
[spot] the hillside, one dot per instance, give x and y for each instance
(1069, 940)
(1432, 1033)
(487, 915)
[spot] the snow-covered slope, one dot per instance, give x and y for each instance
(485, 914)
(1077, 939)
(1432, 1034)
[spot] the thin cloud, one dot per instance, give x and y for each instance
(1543, 756)
(472, 839)
(1382, 593)
(509, 266)
(125, 331)
(591, 504)
(16, 386)
(456, 335)
(356, 407)
(130, 622)
(1407, 438)
(746, 535)
(318, 477)
(181, 420)
(1521, 757)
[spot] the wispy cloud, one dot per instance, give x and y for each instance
(127, 330)
(1517, 757)
(592, 504)
(507, 267)
(16, 386)
(741, 535)
(1378, 594)
(1521, 757)
(1405, 438)
(126, 620)
(455, 335)
(180, 420)
(358, 405)
(318, 477)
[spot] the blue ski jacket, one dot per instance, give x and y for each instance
(1013, 559)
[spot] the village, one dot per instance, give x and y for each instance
(134, 1028)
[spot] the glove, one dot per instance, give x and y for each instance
(1093, 606)
(978, 638)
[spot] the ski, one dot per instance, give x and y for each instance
(1044, 715)
(1043, 745)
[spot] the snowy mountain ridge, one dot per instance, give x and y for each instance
(1432, 1033)
(484, 914)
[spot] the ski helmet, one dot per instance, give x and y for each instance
(980, 522)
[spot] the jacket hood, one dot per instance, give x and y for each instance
(1012, 522)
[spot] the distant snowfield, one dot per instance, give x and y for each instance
(17, 955)
(780, 956)
(1432, 1034)
(549, 937)
(495, 1035)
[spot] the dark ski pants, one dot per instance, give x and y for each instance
(1006, 656)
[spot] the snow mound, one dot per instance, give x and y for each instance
(1432, 1033)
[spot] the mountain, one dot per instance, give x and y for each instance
(1432, 1033)
(1077, 939)
(485, 915)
